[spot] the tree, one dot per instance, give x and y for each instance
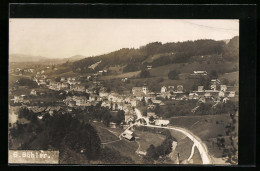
(157, 110)
(213, 74)
(120, 117)
(143, 101)
(84, 139)
(57, 79)
(151, 153)
(173, 75)
(225, 81)
(144, 74)
(151, 118)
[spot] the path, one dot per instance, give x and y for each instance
(192, 152)
(110, 142)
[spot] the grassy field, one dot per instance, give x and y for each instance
(189, 68)
(126, 148)
(196, 157)
(104, 134)
(123, 75)
(232, 76)
(147, 138)
(184, 147)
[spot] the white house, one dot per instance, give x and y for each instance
(223, 88)
(200, 88)
(231, 94)
(33, 92)
(129, 135)
(180, 88)
(160, 122)
(200, 72)
(163, 89)
(221, 94)
(193, 96)
(225, 99)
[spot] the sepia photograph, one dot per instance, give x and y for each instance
(123, 91)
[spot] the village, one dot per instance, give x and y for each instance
(77, 95)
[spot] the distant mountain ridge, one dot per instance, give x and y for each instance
(35, 59)
(25, 58)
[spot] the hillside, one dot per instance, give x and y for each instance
(158, 54)
(184, 57)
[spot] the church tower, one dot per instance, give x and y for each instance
(145, 89)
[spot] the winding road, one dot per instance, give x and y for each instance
(196, 140)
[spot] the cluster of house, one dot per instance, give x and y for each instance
(29, 70)
(217, 92)
(73, 101)
(40, 72)
(102, 72)
(20, 99)
(41, 79)
(69, 84)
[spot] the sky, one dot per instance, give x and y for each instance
(62, 38)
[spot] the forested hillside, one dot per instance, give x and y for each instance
(158, 54)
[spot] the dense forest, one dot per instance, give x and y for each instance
(180, 52)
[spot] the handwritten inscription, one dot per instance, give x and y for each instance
(33, 156)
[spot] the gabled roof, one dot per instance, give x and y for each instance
(128, 132)
(129, 137)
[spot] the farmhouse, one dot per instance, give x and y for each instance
(163, 89)
(215, 81)
(149, 66)
(231, 94)
(138, 90)
(112, 124)
(200, 72)
(18, 99)
(225, 99)
(129, 135)
(62, 79)
(64, 85)
(200, 88)
(94, 97)
(193, 96)
(106, 104)
(151, 114)
(179, 89)
(213, 87)
(223, 88)
(103, 94)
(78, 88)
(160, 122)
(33, 92)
